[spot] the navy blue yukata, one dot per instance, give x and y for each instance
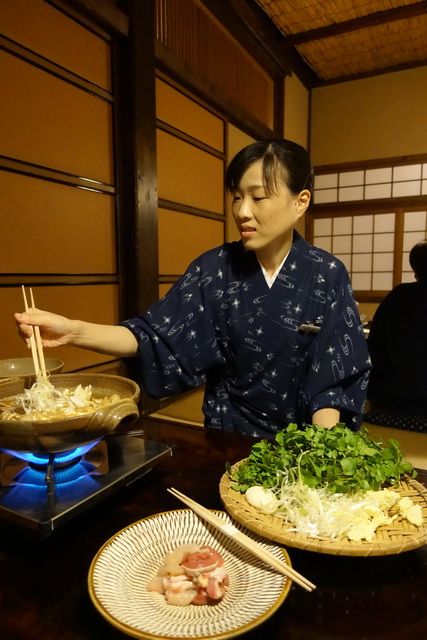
(222, 325)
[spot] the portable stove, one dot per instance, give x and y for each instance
(40, 492)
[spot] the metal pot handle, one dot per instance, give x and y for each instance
(106, 419)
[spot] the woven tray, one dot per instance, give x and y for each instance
(395, 538)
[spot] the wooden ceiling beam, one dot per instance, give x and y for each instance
(363, 22)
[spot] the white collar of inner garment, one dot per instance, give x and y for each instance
(270, 279)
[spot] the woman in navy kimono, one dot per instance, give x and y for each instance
(269, 323)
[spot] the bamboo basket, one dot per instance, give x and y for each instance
(394, 538)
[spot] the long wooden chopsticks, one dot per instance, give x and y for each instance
(35, 340)
(243, 540)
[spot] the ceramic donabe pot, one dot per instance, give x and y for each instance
(58, 435)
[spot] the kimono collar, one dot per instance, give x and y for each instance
(270, 279)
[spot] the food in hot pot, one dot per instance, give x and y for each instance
(191, 574)
(44, 402)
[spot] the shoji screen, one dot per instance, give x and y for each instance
(365, 243)
(191, 217)
(370, 214)
(57, 183)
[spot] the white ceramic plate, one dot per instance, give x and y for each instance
(122, 568)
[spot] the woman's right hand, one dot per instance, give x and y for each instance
(55, 330)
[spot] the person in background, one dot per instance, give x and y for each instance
(268, 323)
(397, 342)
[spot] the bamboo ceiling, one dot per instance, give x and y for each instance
(343, 39)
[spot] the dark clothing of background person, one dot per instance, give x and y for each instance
(398, 348)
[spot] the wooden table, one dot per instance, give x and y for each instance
(43, 584)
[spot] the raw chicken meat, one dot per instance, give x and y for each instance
(191, 574)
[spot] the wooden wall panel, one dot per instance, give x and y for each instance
(189, 175)
(45, 30)
(185, 114)
(94, 303)
(46, 121)
(163, 289)
(191, 190)
(383, 116)
(56, 228)
(178, 247)
(56, 136)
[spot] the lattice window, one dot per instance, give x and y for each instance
(371, 184)
(364, 243)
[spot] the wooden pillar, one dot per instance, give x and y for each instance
(139, 246)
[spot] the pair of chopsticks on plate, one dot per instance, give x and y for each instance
(35, 340)
(243, 540)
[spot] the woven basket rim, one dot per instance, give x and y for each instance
(394, 538)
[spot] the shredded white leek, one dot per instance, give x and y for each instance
(319, 513)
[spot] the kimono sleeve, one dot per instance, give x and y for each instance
(338, 362)
(176, 338)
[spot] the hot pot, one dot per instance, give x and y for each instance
(64, 434)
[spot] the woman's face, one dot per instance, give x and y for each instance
(265, 221)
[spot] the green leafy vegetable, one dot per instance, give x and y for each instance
(342, 460)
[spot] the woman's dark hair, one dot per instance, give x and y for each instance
(281, 159)
(418, 260)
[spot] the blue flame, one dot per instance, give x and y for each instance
(31, 497)
(66, 476)
(42, 459)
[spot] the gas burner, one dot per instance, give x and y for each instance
(52, 469)
(41, 493)
(60, 459)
